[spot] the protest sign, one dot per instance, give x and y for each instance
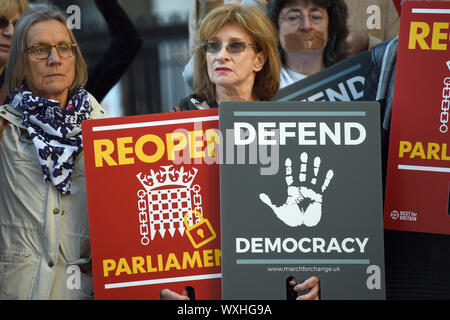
(343, 81)
(300, 197)
(153, 199)
(418, 176)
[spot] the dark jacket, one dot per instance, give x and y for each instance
(188, 103)
(371, 87)
(125, 44)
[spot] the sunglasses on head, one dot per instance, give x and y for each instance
(233, 47)
(4, 22)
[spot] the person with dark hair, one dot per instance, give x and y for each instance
(312, 35)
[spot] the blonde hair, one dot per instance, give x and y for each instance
(15, 67)
(253, 21)
(8, 8)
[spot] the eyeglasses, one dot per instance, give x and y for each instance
(43, 51)
(295, 18)
(233, 47)
(4, 22)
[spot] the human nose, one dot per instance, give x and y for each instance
(222, 53)
(9, 30)
(54, 56)
(305, 24)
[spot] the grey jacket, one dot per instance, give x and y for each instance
(44, 236)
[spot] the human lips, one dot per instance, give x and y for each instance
(54, 75)
(4, 47)
(222, 70)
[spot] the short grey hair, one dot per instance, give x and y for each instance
(16, 65)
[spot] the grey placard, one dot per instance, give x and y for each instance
(285, 236)
(343, 81)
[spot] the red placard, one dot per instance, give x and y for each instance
(417, 191)
(153, 199)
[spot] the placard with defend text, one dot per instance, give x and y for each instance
(300, 197)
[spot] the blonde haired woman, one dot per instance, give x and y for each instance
(44, 227)
(236, 59)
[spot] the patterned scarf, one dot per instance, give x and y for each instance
(55, 132)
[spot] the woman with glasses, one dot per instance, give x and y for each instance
(312, 35)
(10, 11)
(44, 226)
(236, 58)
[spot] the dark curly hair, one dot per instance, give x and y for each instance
(336, 48)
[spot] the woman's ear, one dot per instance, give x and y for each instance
(260, 61)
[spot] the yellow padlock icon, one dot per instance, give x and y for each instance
(200, 233)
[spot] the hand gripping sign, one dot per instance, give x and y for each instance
(200, 233)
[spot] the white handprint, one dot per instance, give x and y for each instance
(303, 205)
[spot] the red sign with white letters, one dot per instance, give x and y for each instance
(418, 180)
(153, 199)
